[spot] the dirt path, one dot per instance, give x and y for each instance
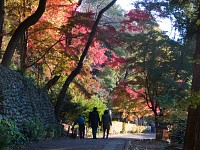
(79, 144)
(118, 142)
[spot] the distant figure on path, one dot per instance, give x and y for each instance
(81, 122)
(106, 122)
(153, 128)
(94, 121)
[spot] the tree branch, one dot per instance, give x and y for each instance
(1, 24)
(52, 82)
(46, 51)
(33, 19)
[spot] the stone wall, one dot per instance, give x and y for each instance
(21, 100)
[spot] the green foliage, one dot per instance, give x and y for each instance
(193, 100)
(53, 131)
(35, 130)
(5, 139)
(97, 102)
(83, 106)
(10, 134)
(176, 123)
(161, 68)
(178, 128)
(109, 77)
(185, 22)
(32, 131)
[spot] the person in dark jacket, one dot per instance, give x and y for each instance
(81, 122)
(106, 122)
(94, 121)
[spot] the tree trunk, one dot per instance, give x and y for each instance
(196, 65)
(1, 24)
(62, 94)
(159, 130)
(192, 141)
(19, 32)
(23, 52)
(52, 82)
(23, 43)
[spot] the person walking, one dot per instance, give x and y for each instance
(153, 127)
(81, 122)
(94, 121)
(106, 123)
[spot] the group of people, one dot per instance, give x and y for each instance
(94, 122)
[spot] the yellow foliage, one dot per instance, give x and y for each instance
(198, 22)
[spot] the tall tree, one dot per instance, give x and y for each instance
(187, 14)
(59, 103)
(161, 69)
(196, 64)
